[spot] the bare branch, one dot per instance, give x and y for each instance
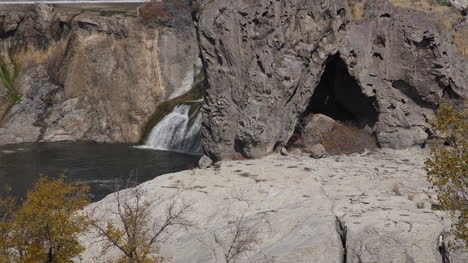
(136, 233)
(243, 238)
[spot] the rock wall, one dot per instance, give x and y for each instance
(264, 59)
(88, 75)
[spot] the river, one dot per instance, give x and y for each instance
(99, 165)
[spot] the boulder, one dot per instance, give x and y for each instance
(18, 126)
(284, 152)
(315, 126)
(205, 162)
(348, 139)
(319, 131)
(317, 151)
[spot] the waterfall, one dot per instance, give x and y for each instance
(178, 131)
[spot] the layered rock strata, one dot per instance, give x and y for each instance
(92, 75)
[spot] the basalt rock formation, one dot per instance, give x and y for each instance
(374, 63)
(92, 75)
(368, 208)
(381, 65)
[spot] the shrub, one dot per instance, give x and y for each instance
(448, 165)
(153, 11)
(242, 238)
(45, 227)
(135, 233)
(9, 72)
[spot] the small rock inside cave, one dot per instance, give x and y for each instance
(339, 97)
(349, 114)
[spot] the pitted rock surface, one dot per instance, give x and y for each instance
(371, 207)
(264, 60)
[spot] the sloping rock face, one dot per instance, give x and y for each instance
(264, 60)
(374, 207)
(106, 73)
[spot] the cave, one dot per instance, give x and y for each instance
(339, 96)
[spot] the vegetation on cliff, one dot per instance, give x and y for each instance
(9, 72)
(448, 165)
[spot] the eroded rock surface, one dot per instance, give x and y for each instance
(460, 4)
(108, 73)
(372, 207)
(265, 59)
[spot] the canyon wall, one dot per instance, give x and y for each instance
(264, 60)
(93, 75)
(99, 76)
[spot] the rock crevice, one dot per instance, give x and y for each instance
(371, 207)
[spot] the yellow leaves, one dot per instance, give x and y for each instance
(448, 165)
(46, 226)
(450, 120)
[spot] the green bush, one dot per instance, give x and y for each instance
(9, 72)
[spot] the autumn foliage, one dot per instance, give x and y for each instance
(153, 11)
(448, 165)
(45, 227)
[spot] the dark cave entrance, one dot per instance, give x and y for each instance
(339, 96)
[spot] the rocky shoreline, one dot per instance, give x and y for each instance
(370, 207)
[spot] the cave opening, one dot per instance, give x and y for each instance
(339, 97)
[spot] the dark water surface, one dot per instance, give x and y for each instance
(99, 165)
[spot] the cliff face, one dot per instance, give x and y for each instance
(265, 61)
(382, 65)
(92, 76)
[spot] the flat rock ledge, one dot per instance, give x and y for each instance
(370, 207)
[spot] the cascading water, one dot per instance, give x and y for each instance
(178, 131)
